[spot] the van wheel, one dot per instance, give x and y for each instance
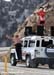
(13, 59)
(51, 66)
(34, 63)
(31, 63)
(28, 61)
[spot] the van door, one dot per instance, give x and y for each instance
(24, 48)
(41, 46)
(38, 48)
(31, 48)
(31, 44)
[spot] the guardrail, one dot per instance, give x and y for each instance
(4, 51)
(4, 48)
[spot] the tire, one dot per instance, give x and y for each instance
(31, 63)
(34, 64)
(51, 66)
(13, 59)
(28, 61)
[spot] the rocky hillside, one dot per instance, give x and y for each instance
(13, 14)
(31, 20)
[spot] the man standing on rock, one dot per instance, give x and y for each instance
(41, 16)
(41, 20)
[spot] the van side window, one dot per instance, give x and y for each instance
(31, 43)
(37, 43)
(25, 43)
(46, 43)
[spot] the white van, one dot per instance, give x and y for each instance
(38, 49)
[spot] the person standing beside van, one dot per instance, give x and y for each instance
(17, 43)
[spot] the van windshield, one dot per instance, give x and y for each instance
(31, 43)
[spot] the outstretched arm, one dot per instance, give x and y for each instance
(8, 37)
